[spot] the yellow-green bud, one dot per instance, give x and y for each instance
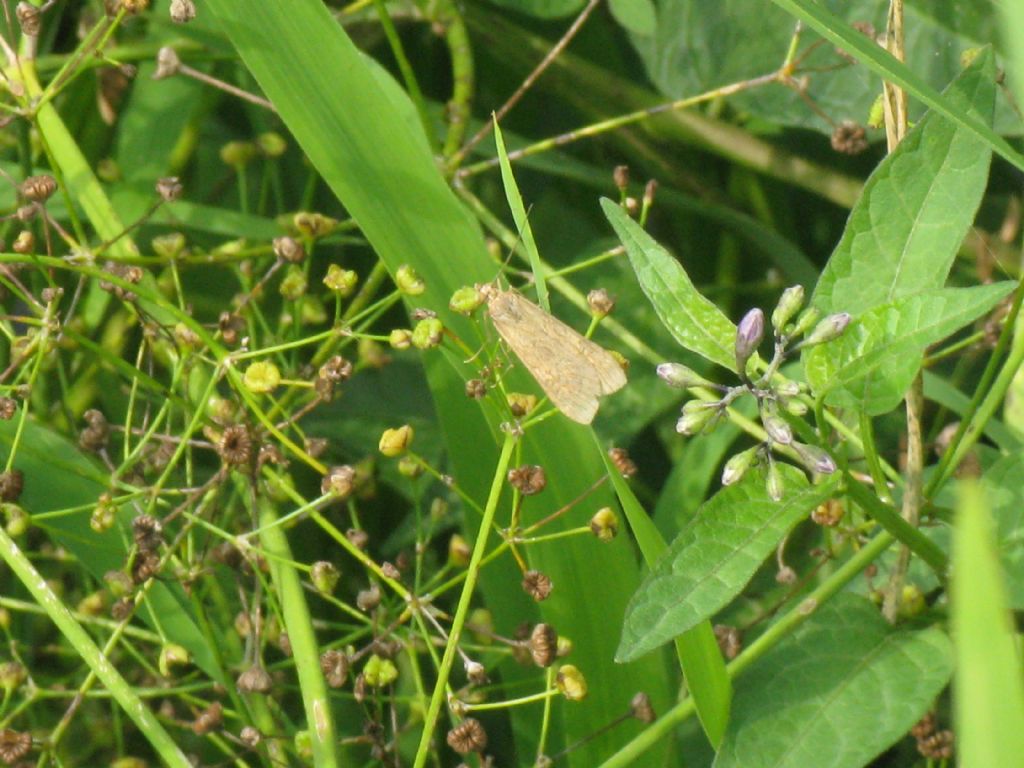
(271, 144)
(458, 551)
(807, 320)
(294, 283)
(372, 354)
(311, 311)
(831, 327)
(169, 245)
(313, 224)
(379, 671)
(774, 484)
(408, 466)
(427, 333)
(696, 415)
(521, 404)
(408, 281)
(104, 515)
(171, 655)
(571, 683)
(262, 377)
(16, 519)
(394, 442)
(681, 377)
(400, 338)
(604, 524)
(303, 742)
(12, 675)
(118, 583)
(237, 154)
(789, 304)
(480, 624)
(465, 300)
(341, 281)
(736, 467)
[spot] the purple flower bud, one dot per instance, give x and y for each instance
(748, 337)
(830, 328)
(737, 466)
(681, 377)
(778, 430)
(815, 459)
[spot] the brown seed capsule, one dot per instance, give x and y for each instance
(786, 575)
(730, 642)
(14, 745)
(543, 645)
(528, 479)
(358, 537)
(621, 461)
(368, 599)
(468, 736)
(390, 570)
(641, 708)
(849, 138)
(29, 21)
(537, 585)
(231, 327)
(938, 746)
(39, 189)
(12, 482)
(210, 719)
(334, 664)
(145, 566)
(8, 406)
(235, 446)
(147, 532)
(359, 688)
(339, 481)
(289, 249)
(600, 302)
(337, 368)
(182, 11)
(254, 680)
(315, 446)
(169, 188)
(250, 737)
(476, 388)
(476, 673)
(621, 177)
(24, 243)
(95, 436)
(122, 609)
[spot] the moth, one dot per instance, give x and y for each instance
(572, 370)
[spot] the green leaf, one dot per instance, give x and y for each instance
(837, 692)
(942, 392)
(638, 16)
(907, 226)
(874, 362)
(543, 9)
(714, 557)
(695, 322)
(1003, 485)
(987, 692)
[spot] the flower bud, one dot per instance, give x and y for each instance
(830, 328)
(736, 467)
(465, 300)
(805, 322)
(408, 281)
(379, 671)
(604, 524)
(340, 281)
(171, 655)
(395, 441)
(261, 377)
(748, 338)
(571, 683)
(294, 283)
(815, 459)
(400, 338)
(696, 415)
(681, 377)
(600, 302)
(777, 428)
(427, 333)
(325, 576)
(789, 304)
(314, 225)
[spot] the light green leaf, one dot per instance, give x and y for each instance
(543, 9)
(839, 691)
(638, 16)
(1003, 485)
(988, 694)
(714, 556)
(695, 322)
(874, 362)
(907, 226)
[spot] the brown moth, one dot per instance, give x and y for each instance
(572, 370)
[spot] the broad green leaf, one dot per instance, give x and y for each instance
(907, 226)
(697, 648)
(354, 131)
(874, 362)
(637, 16)
(714, 556)
(1012, 34)
(839, 691)
(695, 322)
(700, 45)
(987, 692)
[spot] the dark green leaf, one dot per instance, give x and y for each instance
(837, 692)
(714, 557)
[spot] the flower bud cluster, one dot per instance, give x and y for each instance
(780, 401)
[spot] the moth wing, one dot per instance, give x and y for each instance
(572, 370)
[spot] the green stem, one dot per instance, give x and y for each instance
(472, 573)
